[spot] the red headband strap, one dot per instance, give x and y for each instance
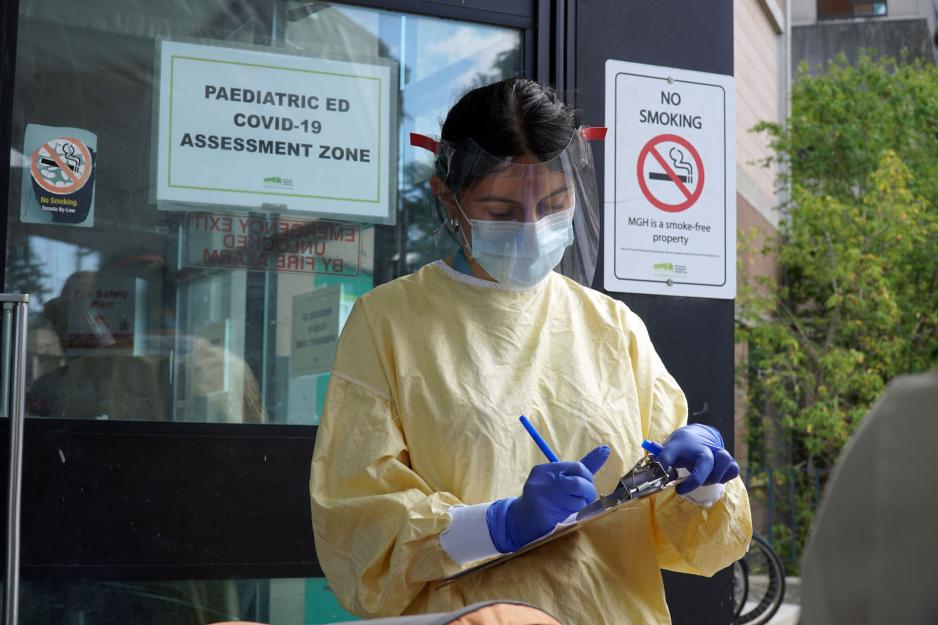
(593, 133)
(425, 142)
(589, 133)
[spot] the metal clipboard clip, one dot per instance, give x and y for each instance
(646, 478)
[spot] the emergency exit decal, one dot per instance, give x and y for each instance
(273, 244)
(670, 188)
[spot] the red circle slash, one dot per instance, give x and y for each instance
(649, 150)
(77, 180)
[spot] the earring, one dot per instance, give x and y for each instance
(455, 225)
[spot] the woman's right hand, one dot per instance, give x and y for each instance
(551, 493)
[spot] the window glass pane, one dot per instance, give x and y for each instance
(869, 9)
(834, 8)
(193, 602)
(221, 303)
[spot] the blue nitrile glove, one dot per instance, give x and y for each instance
(699, 449)
(551, 493)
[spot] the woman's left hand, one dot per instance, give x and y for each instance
(699, 449)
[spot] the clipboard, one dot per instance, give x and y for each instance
(647, 478)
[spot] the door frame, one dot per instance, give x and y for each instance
(116, 499)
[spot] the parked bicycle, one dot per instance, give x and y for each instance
(758, 584)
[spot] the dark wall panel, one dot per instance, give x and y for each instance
(693, 336)
(136, 500)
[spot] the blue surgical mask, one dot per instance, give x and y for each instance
(520, 254)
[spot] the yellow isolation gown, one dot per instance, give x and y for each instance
(431, 374)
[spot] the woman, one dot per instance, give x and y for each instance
(420, 465)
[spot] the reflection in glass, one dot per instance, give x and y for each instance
(194, 602)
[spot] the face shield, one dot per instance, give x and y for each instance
(520, 214)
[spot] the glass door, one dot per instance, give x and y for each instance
(190, 266)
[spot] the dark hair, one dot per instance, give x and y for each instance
(508, 118)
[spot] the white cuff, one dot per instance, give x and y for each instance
(468, 538)
(706, 496)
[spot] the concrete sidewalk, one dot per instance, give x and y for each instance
(787, 614)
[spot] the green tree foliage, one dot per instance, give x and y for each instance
(857, 303)
(25, 271)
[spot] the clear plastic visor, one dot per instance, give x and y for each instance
(523, 188)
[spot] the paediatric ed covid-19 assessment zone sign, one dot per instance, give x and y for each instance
(670, 188)
(253, 128)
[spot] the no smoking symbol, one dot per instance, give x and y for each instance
(61, 166)
(670, 173)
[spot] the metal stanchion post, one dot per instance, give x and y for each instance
(14, 399)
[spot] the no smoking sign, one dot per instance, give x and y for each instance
(61, 166)
(58, 183)
(670, 173)
(670, 187)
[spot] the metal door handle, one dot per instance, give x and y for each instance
(13, 387)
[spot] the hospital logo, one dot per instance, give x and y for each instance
(670, 269)
(276, 182)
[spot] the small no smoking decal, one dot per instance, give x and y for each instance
(58, 181)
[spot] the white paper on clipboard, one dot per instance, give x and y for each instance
(568, 526)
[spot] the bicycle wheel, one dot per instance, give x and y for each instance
(740, 586)
(766, 582)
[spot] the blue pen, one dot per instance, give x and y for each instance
(540, 441)
(651, 447)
